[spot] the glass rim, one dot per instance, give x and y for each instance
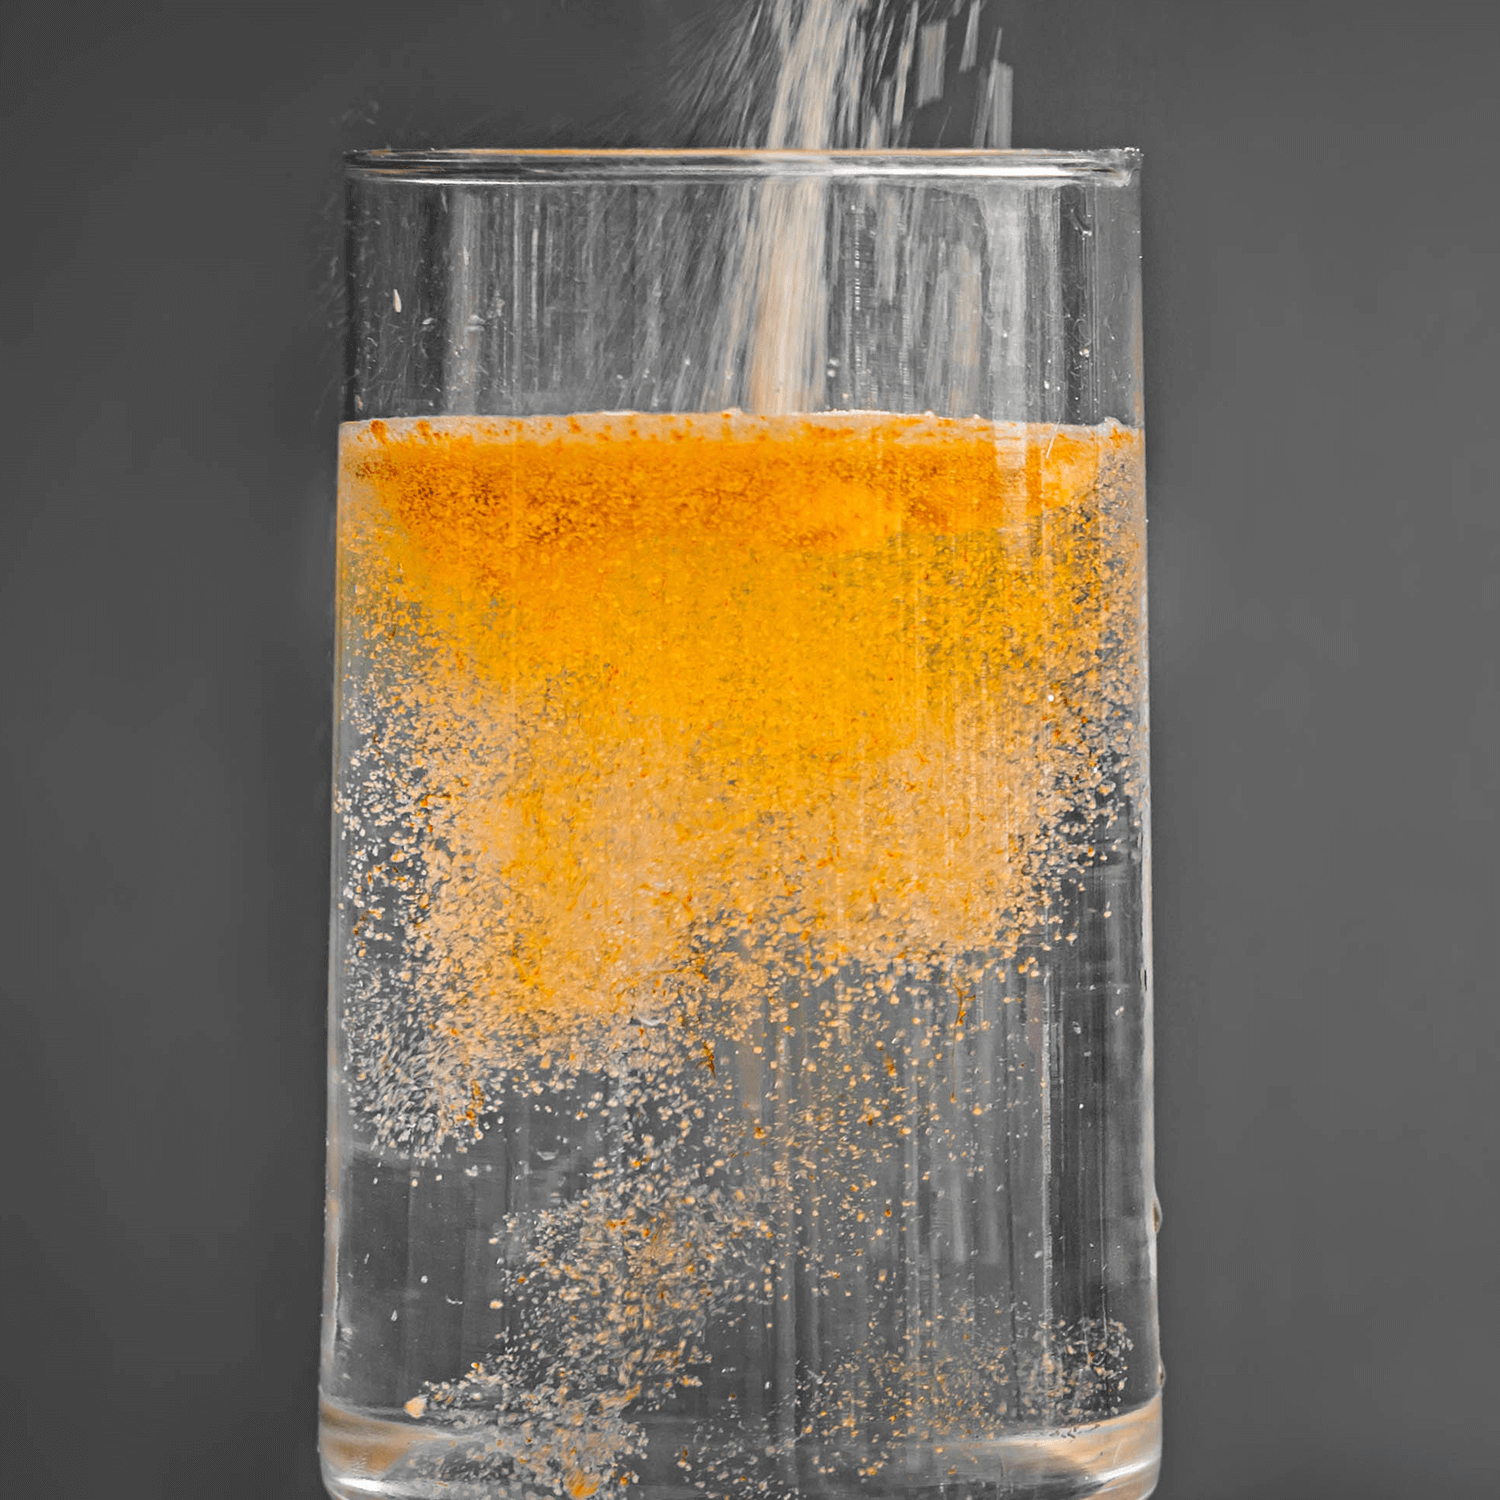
(479, 165)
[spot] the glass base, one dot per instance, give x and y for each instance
(368, 1457)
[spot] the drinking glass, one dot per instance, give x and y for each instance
(740, 1040)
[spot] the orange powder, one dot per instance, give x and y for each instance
(641, 713)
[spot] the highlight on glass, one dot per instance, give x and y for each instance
(740, 1074)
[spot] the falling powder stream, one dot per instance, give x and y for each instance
(841, 73)
(818, 82)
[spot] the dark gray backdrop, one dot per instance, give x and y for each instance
(1325, 493)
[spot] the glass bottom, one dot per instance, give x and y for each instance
(380, 1457)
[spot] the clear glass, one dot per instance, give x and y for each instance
(740, 1073)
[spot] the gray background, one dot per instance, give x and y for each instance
(1322, 258)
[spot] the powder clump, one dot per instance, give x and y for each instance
(646, 713)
